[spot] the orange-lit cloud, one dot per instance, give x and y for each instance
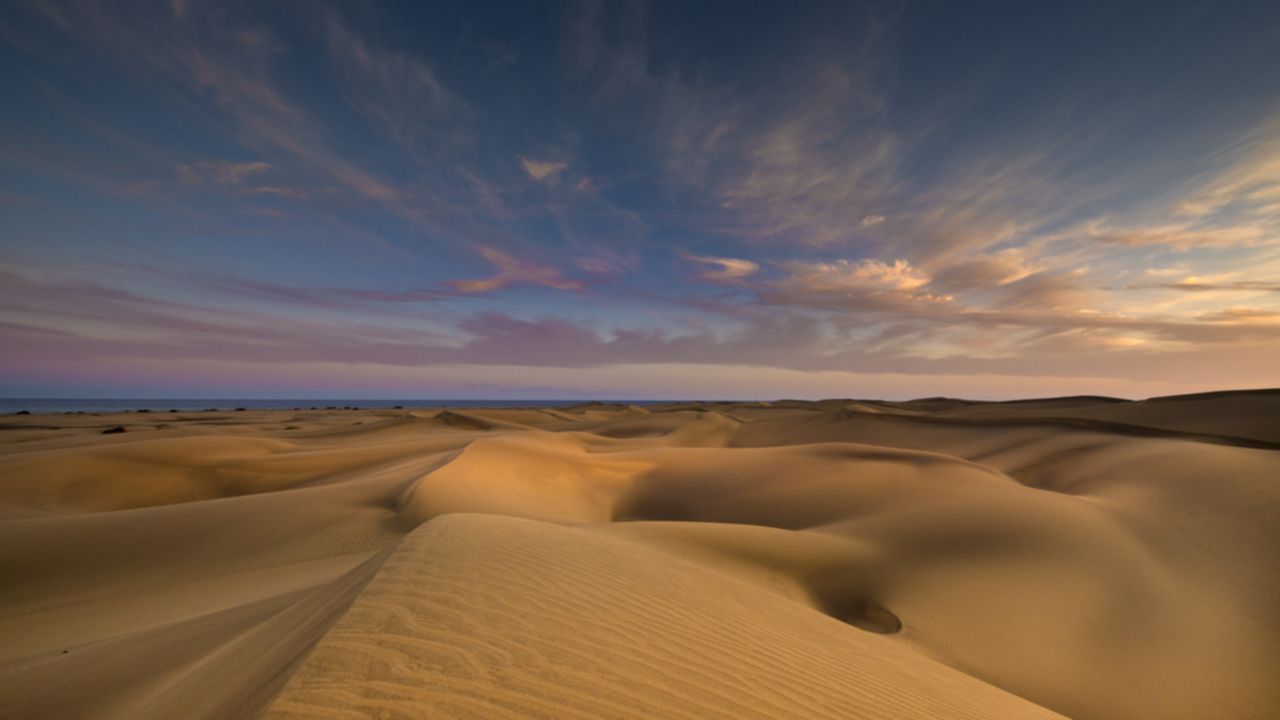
(514, 272)
(726, 269)
(1179, 237)
(541, 170)
(846, 275)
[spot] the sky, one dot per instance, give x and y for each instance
(638, 200)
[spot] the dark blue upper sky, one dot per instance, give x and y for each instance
(639, 199)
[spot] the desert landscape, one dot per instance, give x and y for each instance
(1079, 557)
(427, 360)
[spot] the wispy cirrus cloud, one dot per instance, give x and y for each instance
(52, 316)
(725, 269)
(220, 172)
(232, 61)
(984, 272)
(787, 169)
(240, 179)
(1242, 315)
(845, 275)
(887, 290)
(1049, 291)
(1197, 285)
(1248, 181)
(513, 272)
(401, 96)
(1179, 237)
(49, 316)
(541, 170)
(288, 192)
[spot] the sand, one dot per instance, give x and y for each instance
(1069, 557)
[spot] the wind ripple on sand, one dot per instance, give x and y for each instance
(488, 616)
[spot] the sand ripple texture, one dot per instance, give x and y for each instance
(1071, 557)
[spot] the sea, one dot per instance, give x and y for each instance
(9, 406)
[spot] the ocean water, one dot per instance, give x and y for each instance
(63, 405)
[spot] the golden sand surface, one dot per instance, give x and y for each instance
(1079, 557)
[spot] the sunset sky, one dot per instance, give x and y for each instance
(623, 200)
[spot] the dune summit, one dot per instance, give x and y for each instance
(1070, 557)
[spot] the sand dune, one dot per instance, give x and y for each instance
(490, 616)
(1081, 557)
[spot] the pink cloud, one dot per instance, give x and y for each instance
(514, 272)
(595, 265)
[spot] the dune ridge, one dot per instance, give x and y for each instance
(1083, 557)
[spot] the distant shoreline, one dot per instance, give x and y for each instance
(42, 406)
(55, 406)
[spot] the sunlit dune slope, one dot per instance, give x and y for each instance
(488, 616)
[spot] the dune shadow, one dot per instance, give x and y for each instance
(863, 613)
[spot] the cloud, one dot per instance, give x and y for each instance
(995, 266)
(727, 269)
(1169, 271)
(1242, 315)
(850, 288)
(1249, 182)
(220, 172)
(1046, 291)
(983, 272)
(399, 95)
(57, 319)
(541, 170)
(232, 178)
(281, 191)
(230, 61)
(989, 203)
(848, 275)
(343, 298)
(1179, 237)
(806, 167)
(1193, 284)
(598, 266)
(514, 272)
(410, 154)
(796, 157)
